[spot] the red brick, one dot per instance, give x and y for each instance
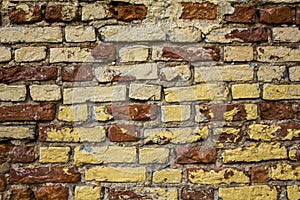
(259, 175)
(250, 35)
(23, 154)
(60, 13)
(52, 192)
(22, 194)
(104, 52)
(242, 14)
(276, 111)
(2, 183)
(77, 73)
(27, 112)
(201, 154)
(129, 13)
(53, 174)
(27, 73)
(189, 193)
(298, 16)
(20, 16)
(123, 133)
(199, 11)
(123, 193)
(277, 15)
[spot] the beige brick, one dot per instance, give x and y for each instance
(153, 155)
(30, 54)
(158, 193)
(245, 91)
(12, 92)
(30, 34)
(80, 34)
(45, 92)
(17, 132)
(248, 193)
(73, 113)
(175, 113)
(94, 11)
(54, 154)
(113, 174)
(286, 34)
(87, 193)
(224, 73)
(294, 73)
(106, 154)
(201, 92)
(100, 113)
(134, 53)
(182, 72)
(214, 177)
(219, 35)
(284, 172)
(277, 54)
(279, 92)
(167, 176)
(269, 73)
(145, 92)
(293, 192)
(185, 34)
(5, 54)
(71, 54)
(255, 153)
(238, 53)
(95, 94)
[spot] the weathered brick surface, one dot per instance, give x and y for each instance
(23, 154)
(123, 133)
(129, 13)
(77, 73)
(276, 15)
(60, 12)
(202, 154)
(24, 13)
(86, 193)
(276, 111)
(52, 192)
(242, 14)
(199, 11)
(22, 193)
(196, 193)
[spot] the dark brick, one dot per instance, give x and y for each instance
(129, 13)
(242, 14)
(19, 16)
(27, 112)
(189, 193)
(123, 133)
(52, 192)
(22, 194)
(104, 52)
(250, 35)
(53, 174)
(23, 154)
(123, 193)
(298, 16)
(78, 73)
(199, 11)
(201, 154)
(2, 183)
(276, 111)
(296, 155)
(60, 13)
(259, 175)
(53, 13)
(277, 15)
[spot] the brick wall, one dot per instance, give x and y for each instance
(144, 99)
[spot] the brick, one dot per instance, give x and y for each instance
(294, 73)
(12, 93)
(202, 11)
(293, 192)
(60, 13)
(112, 174)
(136, 33)
(94, 94)
(77, 73)
(45, 92)
(144, 193)
(22, 154)
(30, 35)
(298, 16)
(193, 155)
(100, 113)
(22, 194)
(129, 13)
(294, 152)
(195, 93)
(285, 172)
(17, 132)
(145, 92)
(94, 11)
(80, 34)
(53, 174)
(2, 183)
(287, 34)
(227, 135)
(276, 111)
(54, 154)
(87, 193)
(220, 176)
(276, 15)
(134, 53)
(27, 112)
(30, 54)
(24, 13)
(106, 154)
(52, 133)
(242, 14)
(224, 73)
(52, 192)
(73, 113)
(175, 113)
(153, 155)
(249, 35)
(123, 133)
(255, 153)
(177, 73)
(245, 91)
(279, 92)
(167, 176)
(270, 73)
(249, 192)
(277, 54)
(238, 53)
(259, 174)
(5, 54)
(185, 34)
(189, 193)
(175, 135)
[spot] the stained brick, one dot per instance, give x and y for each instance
(201, 154)
(58, 13)
(129, 13)
(249, 35)
(23, 154)
(25, 14)
(242, 14)
(276, 111)
(123, 133)
(276, 15)
(199, 11)
(77, 73)
(52, 192)
(189, 193)
(259, 174)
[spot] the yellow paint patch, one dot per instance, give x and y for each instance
(284, 172)
(293, 192)
(101, 114)
(228, 116)
(251, 110)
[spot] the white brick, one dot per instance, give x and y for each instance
(185, 34)
(294, 73)
(269, 73)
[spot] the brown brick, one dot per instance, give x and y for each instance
(2, 183)
(259, 175)
(22, 194)
(242, 14)
(189, 193)
(4, 148)
(27, 73)
(104, 52)
(298, 16)
(276, 111)
(122, 193)
(294, 153)
(27, 112)
(250, 35)
(129, 13)
(201, 154)
(277, 15)
(60, 13)
(53, 13)
(123, 133)
(25, 14)
(53, 174)
(52, 192)
(199, 11)
(23, 154)
(77, 73)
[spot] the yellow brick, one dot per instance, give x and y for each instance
(284, 172)
(293, 192)
(167, 176)
(100, 113)
(248, 193)
(269, 73)
(106, 154)
(94, 11)
(80, 34)
(294, 73)
(158, 193)
(12, 92)
(87, 193)
(286, 34)
(176, 113)
(153, 155)
(5, 53)
(54, 154)
(280, 92)
(112, 174)
(45, 92)
(245, 91)
(277, 54)
(255, 153)
(134, 53)
(73, 113)
(30, 54)
(212, 177)
(238, 53)
(17, 132)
